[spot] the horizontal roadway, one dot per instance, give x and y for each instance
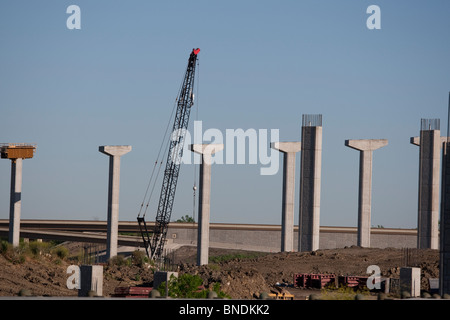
(95, 231)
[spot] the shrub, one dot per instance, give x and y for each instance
(185, 286)
(24, 293)
(5, 246)
(14, 255)
(233, 256)
(189, 286)
(61, 252)
(37, 248)
(139, 258)
(343, 293)
(119, 261)
(33, 250)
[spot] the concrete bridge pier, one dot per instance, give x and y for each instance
(430, 144)
(114, 153)
(15, 201)
(444, 250)
(289, 149)
(16, 152)
(366, 148)
(310, 181)
(206, 150)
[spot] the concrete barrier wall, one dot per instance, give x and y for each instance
(268, 239)
(265, 238)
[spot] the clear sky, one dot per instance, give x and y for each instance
(262, 65)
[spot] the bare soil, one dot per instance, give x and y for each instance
(244, 277)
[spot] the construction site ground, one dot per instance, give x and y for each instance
(241, 274)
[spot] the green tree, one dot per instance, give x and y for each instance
(186, 218)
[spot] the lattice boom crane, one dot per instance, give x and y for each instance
(155, 242)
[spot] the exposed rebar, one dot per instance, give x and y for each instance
(430, 124)
(312, 120)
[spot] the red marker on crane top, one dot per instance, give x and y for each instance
(196, 51)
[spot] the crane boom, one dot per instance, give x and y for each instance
(184, 103)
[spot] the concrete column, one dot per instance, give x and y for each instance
(206, 150)
(310, 179)
(15, 201)
(287, 216)
(366, 148)
(16, 152)
(114, 153)
(430, 143)
(444, 245)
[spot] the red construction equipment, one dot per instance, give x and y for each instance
(319, 281)
(132, 292)
(301, 280)
(311, 280)
(352, 281)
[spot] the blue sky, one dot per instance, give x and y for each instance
(262, 65)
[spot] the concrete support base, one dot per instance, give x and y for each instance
(206, 150)
(91, 281)
(410, 281)
(114, 153)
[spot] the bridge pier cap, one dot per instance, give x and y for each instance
(114, 150)
(366, 144)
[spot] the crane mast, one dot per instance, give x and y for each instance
(185, 100)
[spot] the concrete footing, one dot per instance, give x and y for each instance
(206, 150)
(410, 281)
(91, 281)
(366, 148)
(114, 153)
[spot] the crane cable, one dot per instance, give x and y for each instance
(158, 160)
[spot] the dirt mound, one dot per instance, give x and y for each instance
(247, 277)
(241, 274)
(237, 282)
(40, 277)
